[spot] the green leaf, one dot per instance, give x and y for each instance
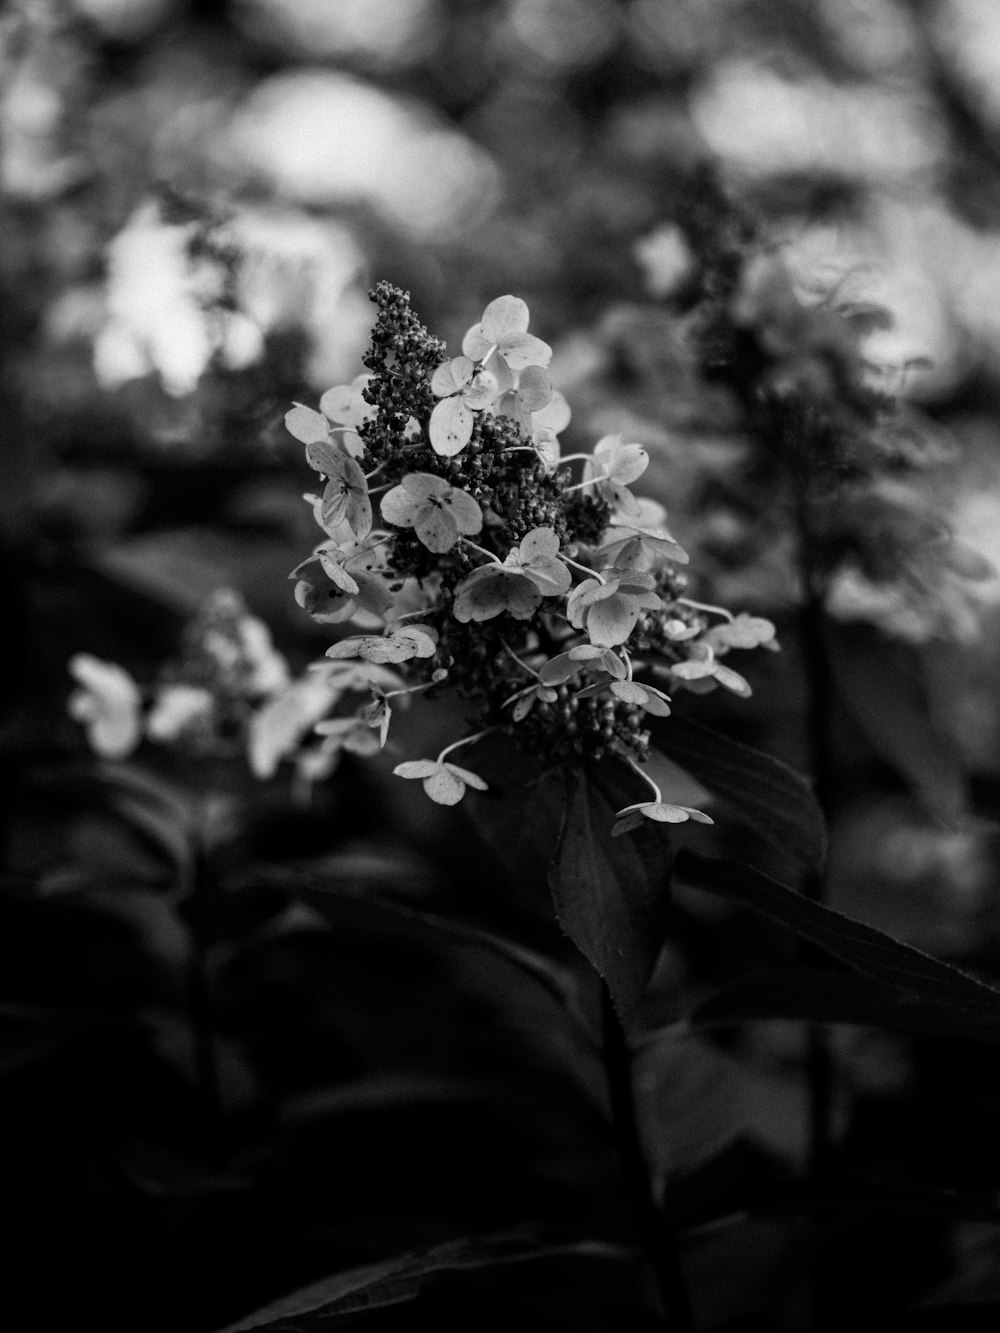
(880, 684)
(610, 895)
(863, 948)
(398, 1280)
(755, 787)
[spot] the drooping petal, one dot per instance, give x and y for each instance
(732, 680)
(444, 786)
(337, 574)
(470, 779)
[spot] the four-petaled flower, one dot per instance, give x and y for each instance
(443, 782)
(564, 666)
(613, 466)
(345, 496)
(503, 331)
(108, 705)
(660, 812)
(609, 609)
(463, 389)
(521, 396)
(640, 539)
(742, 631)
(399, 643)
(438, 512)
(648, 697)
(530, 572)
(333, 587)
(701, 671)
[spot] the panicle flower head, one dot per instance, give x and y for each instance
(479, 564)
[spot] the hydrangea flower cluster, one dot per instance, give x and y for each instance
(460, 548)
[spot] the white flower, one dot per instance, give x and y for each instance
(277, 728)
(107, 704)
(177, 709)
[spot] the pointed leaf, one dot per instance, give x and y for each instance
(610, 896)
(757, 788)
(863, 948)
(880, 683)
(832, 995)
(397, 1280)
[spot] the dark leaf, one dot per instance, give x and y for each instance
(610, 894)
(880, 684)
(395, 1281)
(755, 787)
(828, 995)
(863, 948)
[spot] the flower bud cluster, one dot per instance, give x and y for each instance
(459, 540)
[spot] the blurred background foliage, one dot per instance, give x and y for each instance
(196, 196)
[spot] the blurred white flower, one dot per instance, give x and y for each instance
(320, 137)
(163, 315)
(772, 124)
(107, 704)
(280, 724)
(268, 668)
(389, 32)
(177, 709)
(664, 258)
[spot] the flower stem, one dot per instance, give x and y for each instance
(590, 573)
(466, 740)
(645, 777)
(523, 665)
(656, 1233)
(488, 554)
(705, 606)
